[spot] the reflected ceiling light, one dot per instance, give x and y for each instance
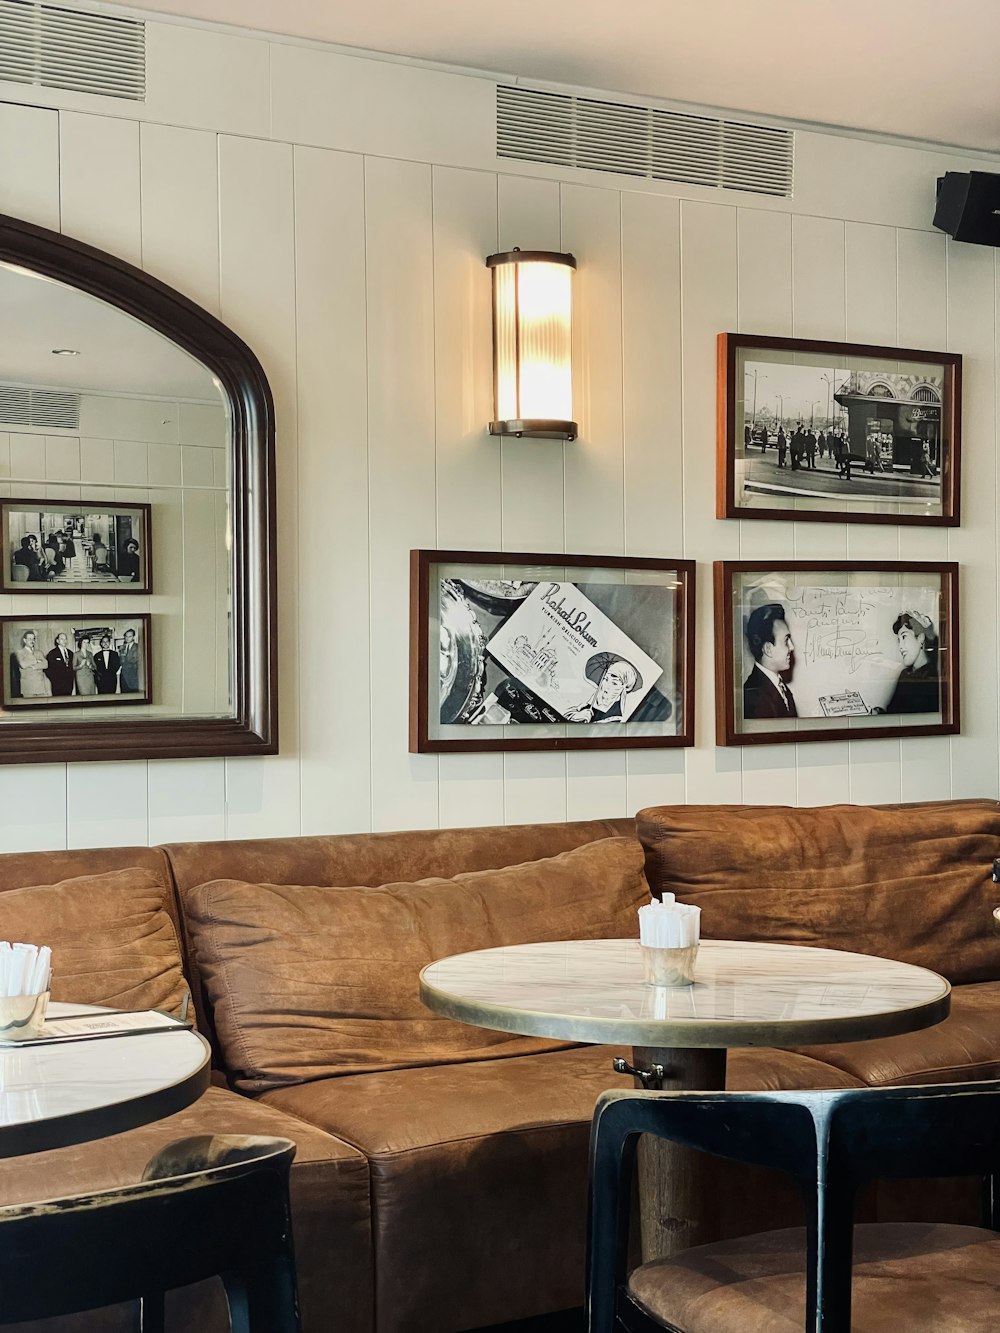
(65, 351)
(532, 344)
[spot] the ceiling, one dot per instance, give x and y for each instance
(901, 67)
(115, 353)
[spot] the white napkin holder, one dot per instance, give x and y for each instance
(669, 933)
(25, 973)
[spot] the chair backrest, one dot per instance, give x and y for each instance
(206, 1206)
(832, 1142)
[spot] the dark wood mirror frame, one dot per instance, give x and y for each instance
(253, 726)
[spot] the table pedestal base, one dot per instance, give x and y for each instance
(676, 1198)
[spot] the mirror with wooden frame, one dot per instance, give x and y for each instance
(137, 516)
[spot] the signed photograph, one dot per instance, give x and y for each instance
(809, 651)
(837, 432)
(521, 652)
(74, 547)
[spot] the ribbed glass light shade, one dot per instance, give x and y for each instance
(532, 344)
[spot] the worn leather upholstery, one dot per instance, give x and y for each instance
(911, 1277)
(306, 982)
(373, 859)
(485, 1175)
(910, 882)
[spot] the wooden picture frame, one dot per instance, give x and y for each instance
(814, 650)
(885, 424)
(36, 674)
(75, 546)
(549, 652)
(248, 724)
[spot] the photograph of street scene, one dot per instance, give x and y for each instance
(866, 440)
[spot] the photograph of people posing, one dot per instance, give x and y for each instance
(58, 661)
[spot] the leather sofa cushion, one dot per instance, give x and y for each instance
(331, 1216)
(907, 882)
(306, 982)
(485, 1175)
(964, 1047)
(113, 941)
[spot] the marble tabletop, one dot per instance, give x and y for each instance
(744, 994)
(54, 1095)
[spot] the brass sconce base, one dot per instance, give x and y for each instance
(534, 429)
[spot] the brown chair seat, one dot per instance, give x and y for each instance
(907, 1278)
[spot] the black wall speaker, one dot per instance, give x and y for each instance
(968, 206)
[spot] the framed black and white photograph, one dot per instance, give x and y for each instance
(837, 432)
(814, 650)
(75, 661)
(75, 546)
(549, 652)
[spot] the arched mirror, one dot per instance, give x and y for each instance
(136, 516)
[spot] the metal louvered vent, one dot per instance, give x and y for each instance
(571, 131)
(70, 48)
(54, 409)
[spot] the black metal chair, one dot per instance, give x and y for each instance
(206, 1206)
(905, 1277)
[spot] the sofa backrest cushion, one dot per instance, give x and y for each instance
(307, 982)
(112, 939)
(911, 882)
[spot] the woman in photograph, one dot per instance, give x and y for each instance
(83, 668)
(917, 686)
(128, 562)
(35, 684)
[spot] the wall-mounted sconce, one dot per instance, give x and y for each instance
(532, 344)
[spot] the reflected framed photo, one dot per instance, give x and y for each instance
(837, 432)
(74, 546)
(74, 662)
(830, 650)
(514, 651)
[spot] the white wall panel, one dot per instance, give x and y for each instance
(333, 525)
(33, 801)
(180, 199)
(101, 206)
(29, 164)
(107, 804)
(187, 800)
(373, 106)
(207, 79)
(400, 281)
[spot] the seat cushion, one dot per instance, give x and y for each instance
(113, 940)
(330, 1211)
(308, 982)
(909, 882)
(964, 1047)
(481, 1170)
(907, 1276)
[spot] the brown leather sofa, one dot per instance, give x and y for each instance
(446, 1193)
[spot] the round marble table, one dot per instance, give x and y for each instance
(744, 994)
(59, 1094)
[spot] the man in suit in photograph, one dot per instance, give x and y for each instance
(60, 666)
(130, 663)
(106, 665)
(765, 694)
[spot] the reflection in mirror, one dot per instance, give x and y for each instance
(100, 418)
(137, 516)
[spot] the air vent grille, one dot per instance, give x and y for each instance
(71, 48)
(570, 131)
(52, 409)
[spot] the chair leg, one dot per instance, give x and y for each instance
(151, 1313)
(265, 1301)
